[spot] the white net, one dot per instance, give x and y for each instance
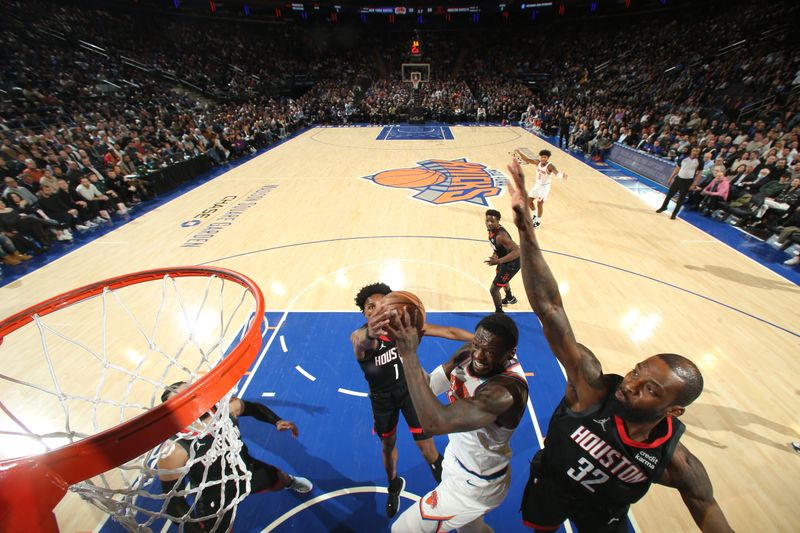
(104, 360)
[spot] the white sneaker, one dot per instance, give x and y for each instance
(536, 221)
(300, 485)
(793, 261)
(81, 227)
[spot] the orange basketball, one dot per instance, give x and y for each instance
(401, 300)
(409, 178)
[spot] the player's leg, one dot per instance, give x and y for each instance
(511, 270)
(494, 290)
(386, 412)
(267, 478)
(540, 207)
(476, 526)
(423, 441)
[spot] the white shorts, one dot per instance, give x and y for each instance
(540, 191)
(458, 502)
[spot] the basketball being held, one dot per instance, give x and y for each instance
(408, 302)
(409, 178)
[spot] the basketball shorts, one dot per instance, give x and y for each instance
(505, 272)
(540, 191)
(459, 500)
(386, 407)
(545, 506)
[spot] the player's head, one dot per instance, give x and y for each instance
(492, 219)
(172, 390)
(661, 385)
(370, 296)
(544, 155)
(495, 342)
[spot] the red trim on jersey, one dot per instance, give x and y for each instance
(536, 526)
(636, 444)
(415, 431)
(426, 517)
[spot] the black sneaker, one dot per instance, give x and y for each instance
(510, 301)
(396, 486)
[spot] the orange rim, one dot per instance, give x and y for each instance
(54, 471)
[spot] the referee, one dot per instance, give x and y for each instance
(683, 179)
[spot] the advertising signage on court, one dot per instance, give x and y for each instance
(649, 166)
(230, 212)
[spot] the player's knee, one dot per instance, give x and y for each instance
(388, 443)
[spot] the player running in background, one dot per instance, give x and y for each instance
(545, 170)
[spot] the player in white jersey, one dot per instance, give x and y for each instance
(487, 394)
(545, 170)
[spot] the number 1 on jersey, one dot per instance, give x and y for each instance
(396, 372)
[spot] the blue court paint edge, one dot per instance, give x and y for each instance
(482, 241)
(740, 241)
(58, 250)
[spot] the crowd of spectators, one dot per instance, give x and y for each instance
(96, 103)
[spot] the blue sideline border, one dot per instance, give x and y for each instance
(743, 242)
(59, 249)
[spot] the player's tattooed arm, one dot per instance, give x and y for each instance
(687, 474)
(362, 343)
(545, 298)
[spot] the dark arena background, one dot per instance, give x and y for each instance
(318, 147)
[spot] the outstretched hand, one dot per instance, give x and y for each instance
(283, 425)
(403, 331)
(376, 324)
(519, 196)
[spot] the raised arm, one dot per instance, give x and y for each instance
(365, 338)
(545, 299)
(525, 158)
(687, 474)
(446, 332)
(491, 401)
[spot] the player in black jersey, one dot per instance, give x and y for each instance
(505, 257)
(611, 436)
(377, 356)
(218, 476)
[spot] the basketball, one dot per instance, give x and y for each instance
(403, 300)
(409, 178)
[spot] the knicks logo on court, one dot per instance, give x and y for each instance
(445, 182)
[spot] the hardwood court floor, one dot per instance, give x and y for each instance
(312, 231)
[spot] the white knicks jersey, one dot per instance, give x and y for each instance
(543, 175)
(483, 451)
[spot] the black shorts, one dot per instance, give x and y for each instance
(386, 407)
(265, 477)
(505, 272)
(545, 507)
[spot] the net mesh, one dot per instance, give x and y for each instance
(106, 359)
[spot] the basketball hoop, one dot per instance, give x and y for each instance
(416, 79)
(217, 315)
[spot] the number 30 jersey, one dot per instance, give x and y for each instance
(382, 367)
(590, 454)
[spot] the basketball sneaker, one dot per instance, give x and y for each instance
(509, 301)
(796, 446)
(300, 485)
(536, 222)
(396, 486)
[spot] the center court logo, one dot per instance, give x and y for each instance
(445, 182)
